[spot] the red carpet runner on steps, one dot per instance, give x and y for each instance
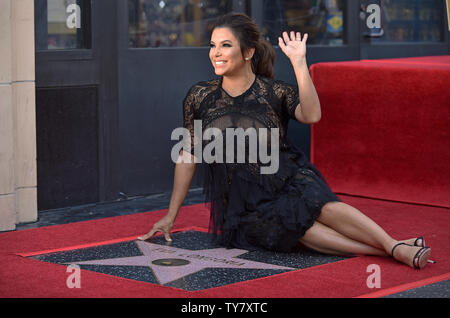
(385, 130)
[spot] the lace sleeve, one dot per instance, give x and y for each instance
(188, 120)
(290, 97)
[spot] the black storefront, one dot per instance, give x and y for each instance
(109, 90)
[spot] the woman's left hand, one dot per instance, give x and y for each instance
(294, 46)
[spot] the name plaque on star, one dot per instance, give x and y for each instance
(197, 256)
(176, 253)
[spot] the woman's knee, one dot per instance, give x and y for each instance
(331, 212)
(332, 207)
(319, 237)
(317, 231)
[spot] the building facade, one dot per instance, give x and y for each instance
(18, 173)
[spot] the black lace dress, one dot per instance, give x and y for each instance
(249, 209)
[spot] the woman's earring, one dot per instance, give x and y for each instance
(246, 58)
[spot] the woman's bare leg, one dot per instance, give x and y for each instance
(351, 223)
(323, 239)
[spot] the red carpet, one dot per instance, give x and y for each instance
(385, 130)
(384, 134)
(24, 277)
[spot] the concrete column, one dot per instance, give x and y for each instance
(18, 178)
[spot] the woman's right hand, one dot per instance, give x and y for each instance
(164, 225)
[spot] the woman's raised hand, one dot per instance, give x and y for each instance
(293, 46)
(164, 225)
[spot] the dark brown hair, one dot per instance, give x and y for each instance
(248, 35)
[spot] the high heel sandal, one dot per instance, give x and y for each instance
(421, 258)
(420, 238)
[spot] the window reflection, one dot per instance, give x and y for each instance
(321, 19)
(166, 23)
(62, 24)
(408, 20)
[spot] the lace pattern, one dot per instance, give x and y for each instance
(248, 209)
(269, 103)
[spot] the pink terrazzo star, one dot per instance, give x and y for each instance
(167, 271)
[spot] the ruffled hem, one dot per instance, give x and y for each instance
(270, 212)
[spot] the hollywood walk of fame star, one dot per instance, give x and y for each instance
(171, 263)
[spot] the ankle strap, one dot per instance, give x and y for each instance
(398, 244)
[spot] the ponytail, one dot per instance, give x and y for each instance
(263, 59)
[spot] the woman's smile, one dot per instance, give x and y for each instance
(225, 52)
(220, 63)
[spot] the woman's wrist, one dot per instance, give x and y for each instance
(299, 62)
(172, 214)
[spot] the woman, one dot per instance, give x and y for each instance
(293, 206)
